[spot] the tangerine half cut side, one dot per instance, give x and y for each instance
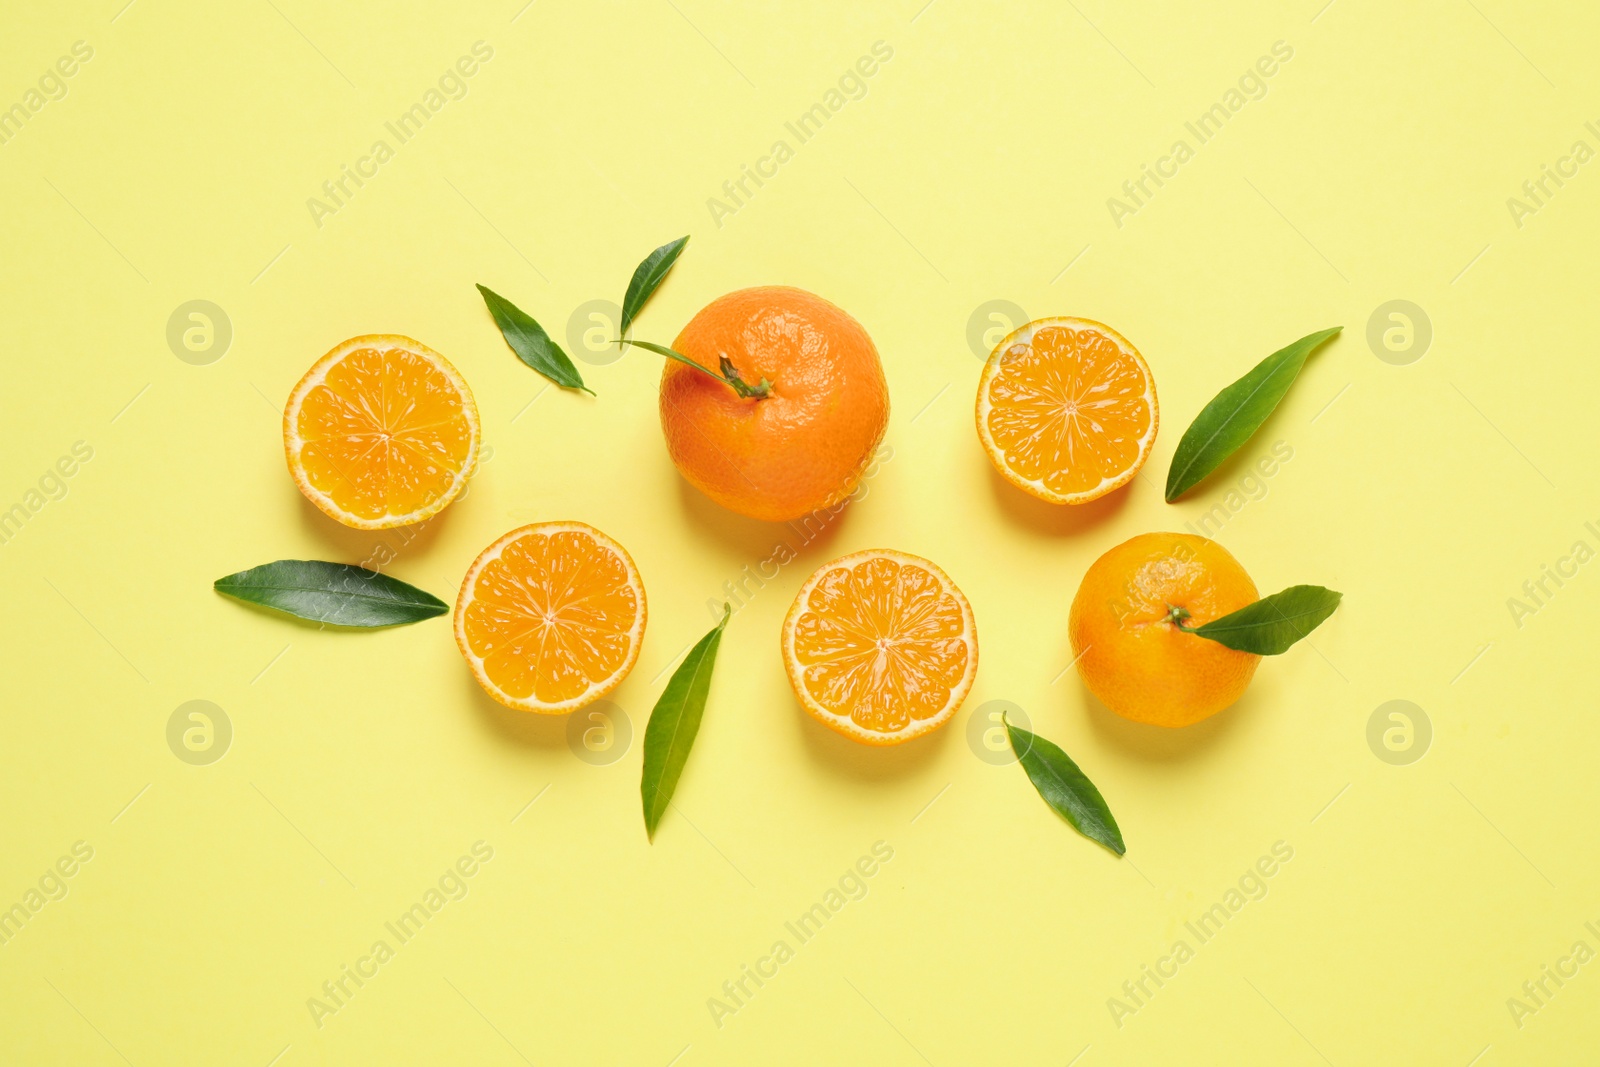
(551, 617)
(880, 646)
(382, 431)
(1067, 409)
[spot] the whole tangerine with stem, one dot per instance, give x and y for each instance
(786, 408)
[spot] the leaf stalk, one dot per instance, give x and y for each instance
(729, 376)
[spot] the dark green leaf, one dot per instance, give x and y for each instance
(531, 344)
(1065, 788)
(338, 594)
(674, 723)
(1236, 413)
(646, 277)
(1272, 624)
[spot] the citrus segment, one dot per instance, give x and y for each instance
(1067, 409)
(551, 616)
(881, 646)
(382, 431)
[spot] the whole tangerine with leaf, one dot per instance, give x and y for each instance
(1168, 628)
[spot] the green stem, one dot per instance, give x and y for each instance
(1178, 616)
(729, 376)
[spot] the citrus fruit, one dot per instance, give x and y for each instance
(381, 432)
(551, 616)
(1125, 637)
(1067, 409)
(881, 646)
(804, 445)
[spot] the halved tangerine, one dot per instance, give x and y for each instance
(1067, 409)
(382, 431)
(880, 646)
(551, 616)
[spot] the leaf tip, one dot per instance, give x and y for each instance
(1176, 486)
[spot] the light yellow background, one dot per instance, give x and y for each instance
(976, 168)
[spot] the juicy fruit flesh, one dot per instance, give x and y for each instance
(881, 644)
(1069, 409)
(385, 433)
(552, 616)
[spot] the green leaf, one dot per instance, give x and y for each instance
(1064, 787)
(531, 344)
(338, 594)
(674, 723)
(1236, 413)
(1272, 624)
(649, 274)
